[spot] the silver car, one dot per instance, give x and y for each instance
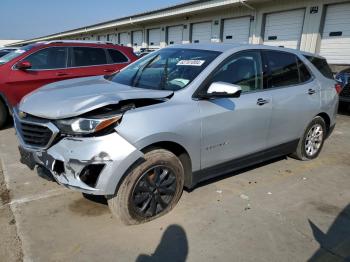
(174, 118)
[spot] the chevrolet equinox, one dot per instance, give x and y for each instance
(174, 118)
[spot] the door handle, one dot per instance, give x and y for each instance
(61, 74)
(261, 101)
(311, 91)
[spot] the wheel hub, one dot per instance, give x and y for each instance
(154, 191)
(314, 140)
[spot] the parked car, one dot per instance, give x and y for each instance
(32, 66)
(145, 51)
(174, 118)
(6, 50)
(343, 78)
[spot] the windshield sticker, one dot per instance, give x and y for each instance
(191, 62)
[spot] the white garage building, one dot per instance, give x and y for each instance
(321, 27)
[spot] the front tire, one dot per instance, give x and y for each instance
(4, 113)
(149, 190)
(310, 145)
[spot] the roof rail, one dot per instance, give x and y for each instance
(76, 41)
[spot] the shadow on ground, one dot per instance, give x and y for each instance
(344, 109)
(172, 247)
(335, 244)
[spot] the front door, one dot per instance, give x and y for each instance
(48, 65)
(236, 127)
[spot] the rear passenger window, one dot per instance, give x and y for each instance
(322, 66)
(87, 56)
(283, 69)
(116, 56)
(303, 72)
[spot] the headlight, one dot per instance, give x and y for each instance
(84, 126)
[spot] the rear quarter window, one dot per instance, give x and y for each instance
(322, 66)
(116, 56)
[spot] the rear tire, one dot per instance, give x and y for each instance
(311, 143)
(4, 114)
(149, 190)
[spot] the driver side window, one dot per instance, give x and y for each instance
(48, 58)
(242, 69)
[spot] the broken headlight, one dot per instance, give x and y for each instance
(85, 126)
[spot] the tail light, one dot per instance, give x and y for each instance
(338, 88)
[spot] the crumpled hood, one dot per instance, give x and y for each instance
(74, 97)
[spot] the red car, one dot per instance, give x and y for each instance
(35, 65)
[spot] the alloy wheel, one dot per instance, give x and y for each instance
(314, 139)
(154, 191)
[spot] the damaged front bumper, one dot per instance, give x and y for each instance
(92, 165)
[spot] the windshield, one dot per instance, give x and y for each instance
(167, 69)
(14, 54)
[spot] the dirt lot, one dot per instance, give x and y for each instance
(284, 210)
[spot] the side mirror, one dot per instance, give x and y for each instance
(222, 90)
(23, 65)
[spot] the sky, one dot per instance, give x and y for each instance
(25, 19)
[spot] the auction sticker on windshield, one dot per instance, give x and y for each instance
(191, 62)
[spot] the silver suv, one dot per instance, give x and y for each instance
(174, 118)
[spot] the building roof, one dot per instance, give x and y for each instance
(174, 10)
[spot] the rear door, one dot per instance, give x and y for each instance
(48, 65)
(295, 96)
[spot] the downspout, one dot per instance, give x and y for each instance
(243, 2)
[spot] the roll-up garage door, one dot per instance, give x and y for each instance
(124, 39)
(284, 28)
(175, 34)
(335, 42)
(236, 30)
(137, 38)
(201, 32)
(154, 37)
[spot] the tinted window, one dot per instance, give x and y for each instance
(48, 58)
(12, 55)
(166, 69)
(3, 52)
(303, 72)
(322, 66)
(283, 69)
(243, 69)
(86, 56)
(116, 56)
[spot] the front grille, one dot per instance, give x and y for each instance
(34, 132)
(35, 135)
(346, 91)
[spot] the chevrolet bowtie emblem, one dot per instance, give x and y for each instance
(22, 114)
